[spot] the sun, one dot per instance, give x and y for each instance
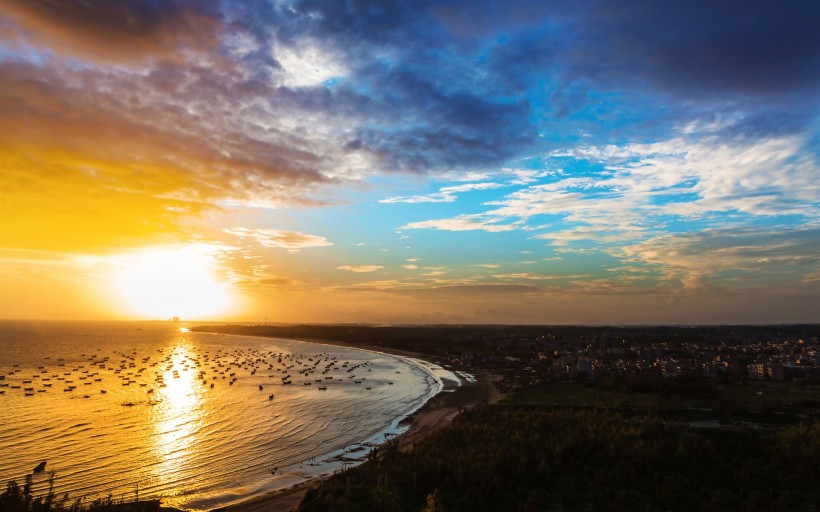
(180, 282)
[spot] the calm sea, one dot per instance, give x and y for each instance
(198, 419)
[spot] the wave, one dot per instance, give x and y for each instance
(193, 438)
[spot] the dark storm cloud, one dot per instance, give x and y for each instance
(423, 86)
(466, 83)
(117, 31)
(760, 61)
(704, 47)
(430, 128)
(692, 48)
(424, 105)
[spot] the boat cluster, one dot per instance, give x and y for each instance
(94, 373)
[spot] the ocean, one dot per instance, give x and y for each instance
(199, 420)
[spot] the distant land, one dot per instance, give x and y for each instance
(597, 418)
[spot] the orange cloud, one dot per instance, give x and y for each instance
(291, 240)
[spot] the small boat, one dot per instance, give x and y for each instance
(40, 467)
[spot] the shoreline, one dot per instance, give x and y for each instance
(437, 411)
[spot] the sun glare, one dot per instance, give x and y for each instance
(166, 283)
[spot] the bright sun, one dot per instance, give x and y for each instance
(165, 283)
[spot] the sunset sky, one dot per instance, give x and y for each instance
(510, 162)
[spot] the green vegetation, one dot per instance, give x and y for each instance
(616, 435)
(538, 458)
(22, 499)
(622, 443)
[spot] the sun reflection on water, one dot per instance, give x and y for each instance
(179, 413)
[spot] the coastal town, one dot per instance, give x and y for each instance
(700, 417)
(788, 355)
(526, 356)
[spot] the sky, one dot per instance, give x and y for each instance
(584, 162)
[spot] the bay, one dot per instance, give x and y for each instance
(151, 409)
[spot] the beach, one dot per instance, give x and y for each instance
(436, 413)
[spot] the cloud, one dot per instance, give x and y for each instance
(632, 191)
(280, 238)
(763, 177)
(764, 50)
(360, 268)
(475, 290)
(460, 223)
(444, 194)
(537, 277)
(708, 48)
(159, 125)
(698, 260)
(119, 32)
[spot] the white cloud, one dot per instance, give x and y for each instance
(526, 176)
(461, 223)
(444, 194)
(642, 187)
(305, 64)
(360, 268)
(291, 240)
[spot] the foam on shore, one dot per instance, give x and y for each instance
(438, 380)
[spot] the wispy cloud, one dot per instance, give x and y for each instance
(538, 277)
(280, 238)
(461, 223)
(360, 268)
(444, 194)
(639, 188)
(696, 259)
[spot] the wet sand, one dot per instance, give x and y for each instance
(437, 412)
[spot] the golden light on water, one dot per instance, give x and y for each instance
(164, 283)
(179, 413)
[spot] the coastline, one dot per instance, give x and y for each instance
(436, 412)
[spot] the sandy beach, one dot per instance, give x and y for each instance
(437, 412)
